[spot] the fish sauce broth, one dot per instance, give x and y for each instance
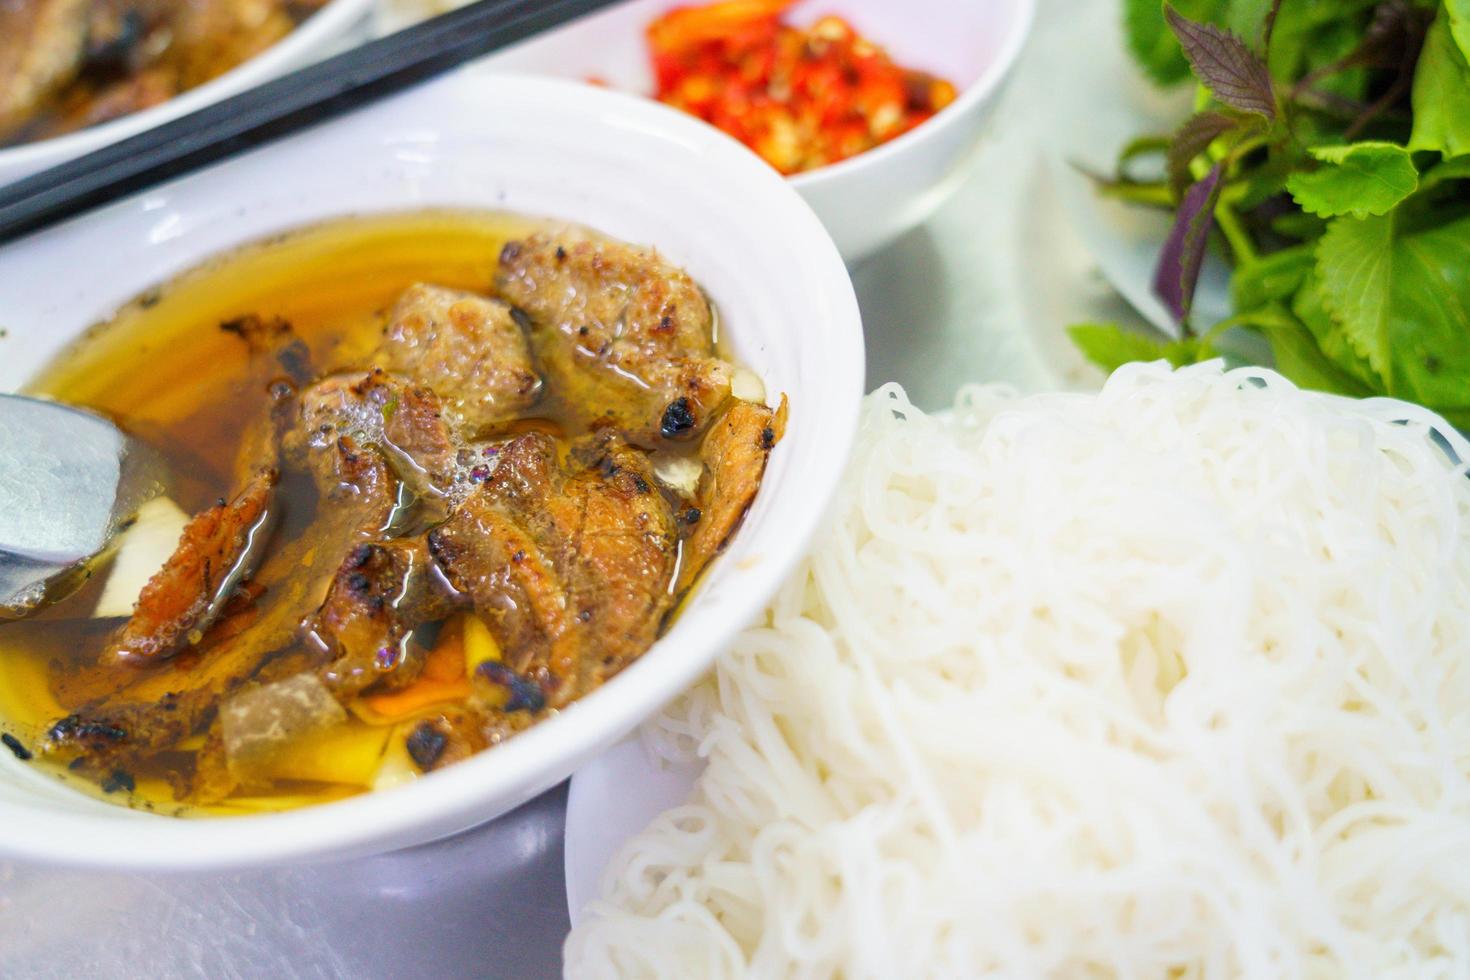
(455, 493)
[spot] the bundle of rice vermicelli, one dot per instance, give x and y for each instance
(1170, 681)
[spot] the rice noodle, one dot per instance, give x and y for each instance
(1169, 681)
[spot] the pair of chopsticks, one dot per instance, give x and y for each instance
(277, 108)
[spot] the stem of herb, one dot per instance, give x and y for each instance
(1153, 195)
(1235, 234)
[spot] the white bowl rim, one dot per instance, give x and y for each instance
(991, 77)
(330, 22)
(123, 839)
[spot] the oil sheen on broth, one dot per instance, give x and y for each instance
(173, 369)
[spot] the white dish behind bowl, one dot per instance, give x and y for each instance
(626, 166)
(322, 34)
(612, 799)
(869, 200)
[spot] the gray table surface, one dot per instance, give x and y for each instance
(979, 293)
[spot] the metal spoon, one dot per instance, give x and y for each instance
(69, 480)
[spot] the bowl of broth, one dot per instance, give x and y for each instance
(491, 413)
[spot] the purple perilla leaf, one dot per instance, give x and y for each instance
(1183, 256)
(1232, 72)
(1189, 141)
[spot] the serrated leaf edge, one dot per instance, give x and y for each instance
(1247, 97)
(1293, 181)
(1339, 316)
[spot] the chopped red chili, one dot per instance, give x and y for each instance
(801, 97)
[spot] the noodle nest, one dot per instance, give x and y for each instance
(1167, 681)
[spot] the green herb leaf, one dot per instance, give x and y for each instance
(1352, 257)
(1299, 225)
(1261, 183)
(1441, 95)
(1401, 297)
(1297, 356)
(1325, 40)
(1308, 307)
(1355, 260)
(1272, 279)
(1360, 179)
(1456, 169)
(1458, 12)
(1110, 346)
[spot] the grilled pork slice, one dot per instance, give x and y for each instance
(621, 334)
(569, 563)
(467, 348)
(134, 721)
(735, 454)
(382, 592)
(218, 547)
(378, 412)
(139, 714)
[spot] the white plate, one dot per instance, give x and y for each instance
(630, 167)
(611, 799)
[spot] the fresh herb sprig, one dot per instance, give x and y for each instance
(1329, 156)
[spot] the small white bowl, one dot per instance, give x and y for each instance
(317, 37)
(624, 165)
(869, 200)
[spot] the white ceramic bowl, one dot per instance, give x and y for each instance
(627, 166)
(867, 201)
(317, 37)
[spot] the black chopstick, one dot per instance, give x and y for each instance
(277, 108)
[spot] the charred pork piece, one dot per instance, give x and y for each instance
(218, 549)
(382, 592)
(380, 412)
(124, 722)
(42, 43)
(447, 738)
(620, 333)
(571, 565)
(108, 736)
(467, 348)
(734, 454)
(145, 712)
(623, 554)
(491, 549)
